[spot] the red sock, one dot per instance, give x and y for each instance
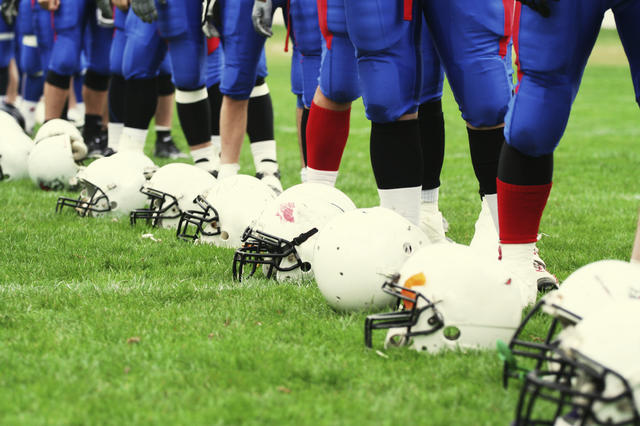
(327, 133)
(520, 209)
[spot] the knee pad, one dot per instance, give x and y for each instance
(58, 80)
(537, 118)
(165, 85)
(191, 96)
(95, 81)
(339, 72)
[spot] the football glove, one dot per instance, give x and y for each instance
(105, 9)
(211, 18)
(540, 6)
(9, 10)
(146, 9)
(261, 15)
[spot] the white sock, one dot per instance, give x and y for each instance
(264, 157)
(303, 175)
(29, 113)
(326, 177)
(430, 195)
(518, 253)
(132, 139)
(229, 169)
(215, 141)
(114, 132)
(404, 201)
(492, 202)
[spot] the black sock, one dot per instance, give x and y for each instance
(116, 98)
(396, 154)
(260, 119)
(4, 80)
(195, 122)
(303, 132)
(517, 168)
(141, 101)
(431, 122)
(92, 125)
(215, 103)
(485, 146)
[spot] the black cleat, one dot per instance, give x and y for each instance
(166, 148)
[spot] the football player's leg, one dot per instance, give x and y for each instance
(242, 49)
(68, 22)
(165, 145)
(7, 35)
(338, 87)
(29, 64)
(302, 113)
(431, 120)
(96, 85)
(627, 17)
(117, 83)
(260, 129)
(475, 61)
(214, 74)
(390, 61)
(535, 122)
(143, 53)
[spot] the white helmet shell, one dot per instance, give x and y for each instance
(357, 252)
(51, 165)
(297, 211)
(15, 147)
(228, 208)
(7, 122)
(172, 190)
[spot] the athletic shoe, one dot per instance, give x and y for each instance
(547, 280)
(166, 148)
(272, 180)
(432, 223)
(531, 276)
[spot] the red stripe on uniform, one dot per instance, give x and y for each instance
(408, 10)
(322, 20)
(508, 26)
(55, 35)
(516, 41)
(212, 44)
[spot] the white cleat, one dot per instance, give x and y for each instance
(432, 223)
(530, 275)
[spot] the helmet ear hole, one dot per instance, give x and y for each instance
(451, 333)
(113, 205)
(305, 267)
(224, 235)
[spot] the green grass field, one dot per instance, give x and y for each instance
(100, 325)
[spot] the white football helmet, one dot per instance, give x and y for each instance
(450, 298)
(15, 147)
(597, 376)
(8, 122)
(583, 292)
(51, 165)
(58, 127)
(137, 161)
(226, 209)
(283, 237)
(356, 253)
(110, 186)
(170, 191)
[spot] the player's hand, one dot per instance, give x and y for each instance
(123, 5)
(211, 18)
(540, 6)
(104, 6)
(262, 17)
(51, 5)
(9, 10)
(145, 9)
